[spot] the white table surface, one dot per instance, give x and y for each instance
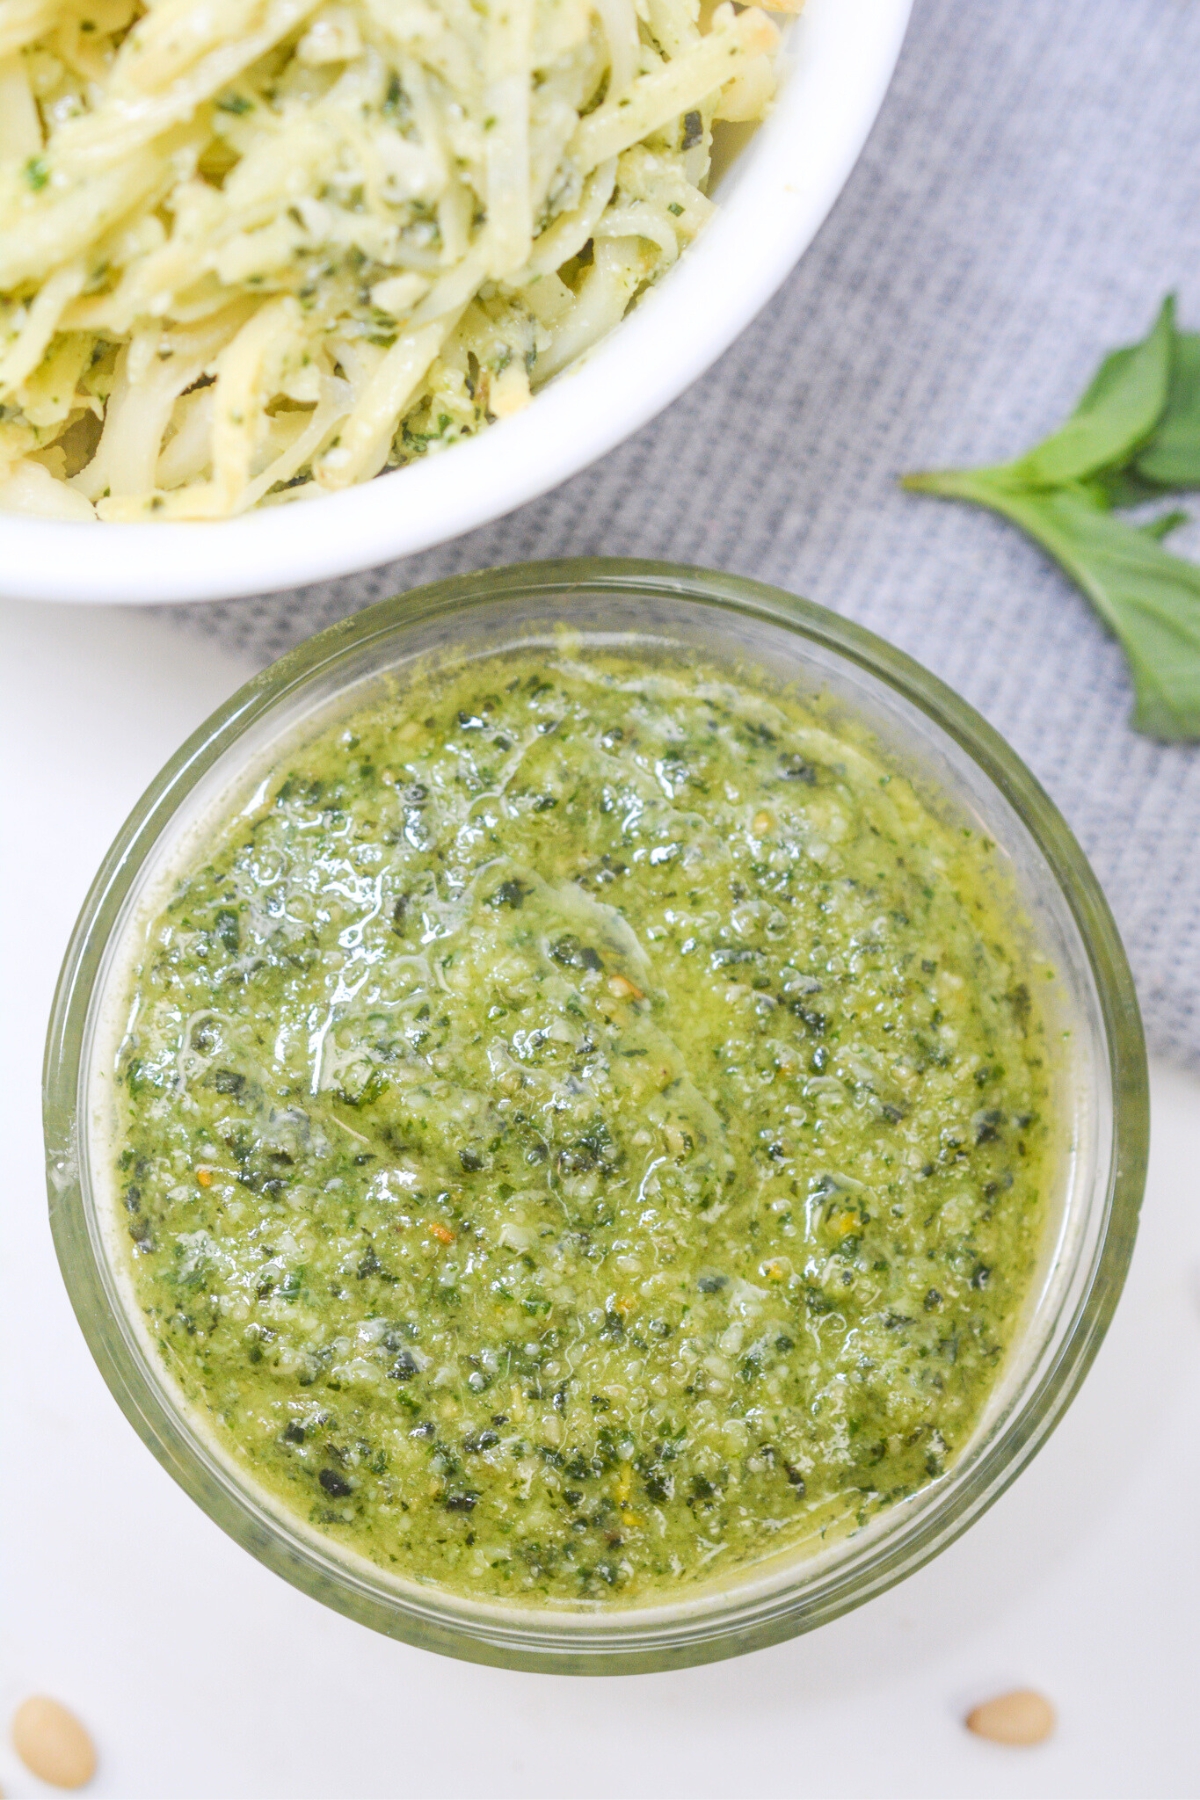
(200, 1673)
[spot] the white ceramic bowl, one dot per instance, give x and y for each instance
(839, 56)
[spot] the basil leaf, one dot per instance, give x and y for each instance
(1148, 598)
(1172, 457)
(1124, 487)
(1162, 527)
(1117, 413)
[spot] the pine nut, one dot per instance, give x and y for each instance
(1021, 1717)
(624, 989)
(52, 1743)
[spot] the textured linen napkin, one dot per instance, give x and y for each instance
(1031, 189)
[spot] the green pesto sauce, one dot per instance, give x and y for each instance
(585, 1130)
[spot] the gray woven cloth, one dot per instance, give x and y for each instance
(1031, 189)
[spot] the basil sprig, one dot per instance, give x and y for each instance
(1134, 436)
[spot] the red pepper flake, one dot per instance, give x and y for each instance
(442, 1233)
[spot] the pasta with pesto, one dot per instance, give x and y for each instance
(253, 250)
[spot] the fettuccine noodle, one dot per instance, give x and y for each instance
(252, 250)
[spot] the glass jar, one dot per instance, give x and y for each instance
(964, 770)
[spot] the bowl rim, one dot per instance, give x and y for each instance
(776, 195)
(630, 1639)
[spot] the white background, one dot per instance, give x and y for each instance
(200, 1673)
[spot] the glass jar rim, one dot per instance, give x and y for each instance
(743, 1613)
